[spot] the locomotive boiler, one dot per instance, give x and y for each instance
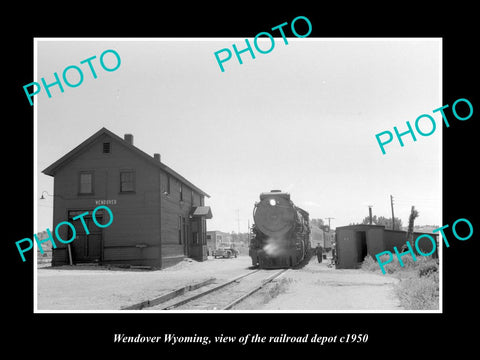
(281, 232)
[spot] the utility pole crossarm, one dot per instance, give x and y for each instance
(329, 218)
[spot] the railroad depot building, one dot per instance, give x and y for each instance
(159, 217)
(354, 242)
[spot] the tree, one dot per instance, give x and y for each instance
(319, 223)
(366, 220)
(382, 220)
(411, 220)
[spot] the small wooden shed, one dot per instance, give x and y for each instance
(354, 242)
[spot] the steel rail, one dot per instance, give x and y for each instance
(196, 296)
(264, 282)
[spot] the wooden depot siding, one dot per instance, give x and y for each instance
(147, 217)
(172, 210)
(134, 234)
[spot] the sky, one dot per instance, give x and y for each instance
(302, 119)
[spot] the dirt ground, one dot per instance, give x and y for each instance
(99, 288)
(314, 287)
(318, 287)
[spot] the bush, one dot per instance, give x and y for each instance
(425, 265)
(428, 269)
(419, 293)
(419, 285)
(370, 264)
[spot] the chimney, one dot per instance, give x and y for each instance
(156, 156)
(128, 138)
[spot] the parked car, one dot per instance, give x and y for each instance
(225, 252)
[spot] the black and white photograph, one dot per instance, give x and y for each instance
(217, 181)
(262, 187)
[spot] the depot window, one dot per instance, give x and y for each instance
(168, 185)
(106, 148)
(127, 181)
(85, 182)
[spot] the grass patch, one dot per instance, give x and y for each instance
(418, 288)
(276, 288)
(264, 295)
(419, 293)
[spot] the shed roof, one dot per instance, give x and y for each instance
(360, 227)
(53, 168)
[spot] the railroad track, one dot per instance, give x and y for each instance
(221, 296)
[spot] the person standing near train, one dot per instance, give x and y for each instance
(334, 254)
(319, 252)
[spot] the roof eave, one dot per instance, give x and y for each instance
(52, 169)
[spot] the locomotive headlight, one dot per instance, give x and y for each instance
(273, 202)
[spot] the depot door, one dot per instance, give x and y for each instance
(198, 247)
(86, 247)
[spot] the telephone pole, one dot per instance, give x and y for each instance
(370, 214)
(393, 216)
(329, 218)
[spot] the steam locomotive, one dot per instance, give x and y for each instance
(282, 232)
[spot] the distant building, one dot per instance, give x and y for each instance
(216, 239)
(321, 237)
(159, 217)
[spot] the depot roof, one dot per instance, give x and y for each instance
(52, 169)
